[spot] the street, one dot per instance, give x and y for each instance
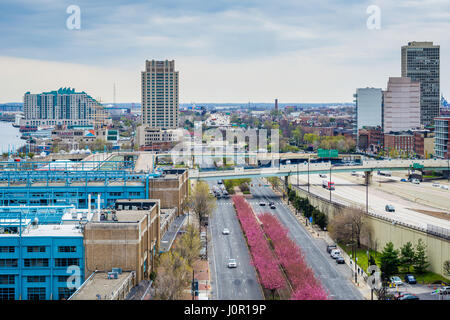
(335, 278)
(239, 283)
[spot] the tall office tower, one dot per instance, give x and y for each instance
(368, 107)
(401, 105)
(160, 108)
(61, 107)
(276, 104)
(420, 62)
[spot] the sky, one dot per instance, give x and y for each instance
(225, 50)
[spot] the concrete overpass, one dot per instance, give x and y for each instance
(315, 168)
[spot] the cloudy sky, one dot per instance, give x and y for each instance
(225, 50)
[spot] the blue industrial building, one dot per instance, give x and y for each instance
(36, 264)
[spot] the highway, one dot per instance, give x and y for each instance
(335, 278)
(239, 283)
(350, 193)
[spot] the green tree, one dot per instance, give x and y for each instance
(173, 276)
(389, 261)
(372, 261)
(407, 255)
(189, 245)
(420, 258)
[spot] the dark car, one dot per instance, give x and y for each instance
(340, 260)
(409, 278)
(331, 247)
(408, 296)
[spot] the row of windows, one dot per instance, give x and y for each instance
(35, 293)
(9, 249)
(11, 279)
(59, 262)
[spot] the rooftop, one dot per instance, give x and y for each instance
(49, 230)
(99, 284)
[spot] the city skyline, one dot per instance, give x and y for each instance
(237, 59)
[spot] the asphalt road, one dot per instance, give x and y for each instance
(239, 283)
(335, 278)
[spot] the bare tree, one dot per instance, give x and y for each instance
(189, 245)
(201, 202)
(348, 224)
(173, 277)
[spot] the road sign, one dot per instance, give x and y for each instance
(310, 219)
(327, 153)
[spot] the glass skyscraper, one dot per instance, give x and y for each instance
(420, 62)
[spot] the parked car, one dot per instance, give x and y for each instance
(408, 296)
(335, 253)
(404, 180)
(444, 187)
(389, 208)
(340, 260)
(354, 173)
(322, 175)
(225, 231)
(415, 181)
(409, 278)
(232, 263)
(436, 185)
(444, 290)
(331, 247)
(219, 182)
(396, 280)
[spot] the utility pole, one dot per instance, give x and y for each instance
(329, 182)
(367, 191)
(309, 160)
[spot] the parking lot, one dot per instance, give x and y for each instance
(424, 292)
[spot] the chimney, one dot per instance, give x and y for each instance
(89, 206)
(98, 206)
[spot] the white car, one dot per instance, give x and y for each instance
(232, 263)
(415, 181)
(444, 187)
(396, 280)
(322, 175)
(436, 185)
(335, 253)
(225, 231)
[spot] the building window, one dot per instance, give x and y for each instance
(8, 263)
(36, 294)
(7, 294)
(65, 293)
(67, 249)
(35, 263)
(36, 279)
(66, 262)
(7, 249)
(36, 249)
(7, 279)
(63, 278)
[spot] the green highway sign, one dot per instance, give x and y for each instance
(326, 153)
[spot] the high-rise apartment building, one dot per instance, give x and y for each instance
(420, 62)
(401, 105)
(62, 107)
(368, 107)
(160, 106)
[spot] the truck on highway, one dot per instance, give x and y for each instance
(384, 173)
(329, 185)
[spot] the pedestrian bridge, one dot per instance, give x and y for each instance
(324, 167)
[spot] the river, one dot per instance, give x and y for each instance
(9, 137)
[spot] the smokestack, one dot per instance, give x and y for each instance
(98, 206)
(89, 206)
